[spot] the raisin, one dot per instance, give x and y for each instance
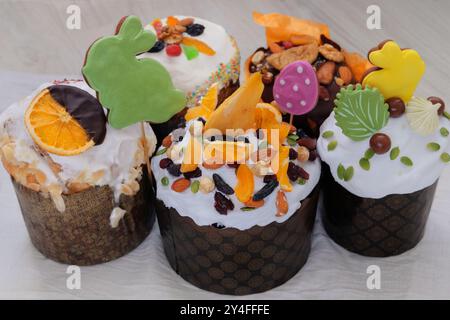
(269, 177)
(174, 169)
(303, 174)
(265, 191)
(164, 163)
(293, 171)
(222, 203)
(218, 225)
(233, 165)
(221, 185)
(195, 29)
(293, 154)
(157, 47)
(193, 174)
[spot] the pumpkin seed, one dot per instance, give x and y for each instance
(195, 186)
(365, 164)
(161, 151)
(348, 175)
(327, 134)
(445, 157)
(341, 171)
(369, 154)
(444, 132)
(395, 152)
(406, 161)
(332, 145)
(165, 181)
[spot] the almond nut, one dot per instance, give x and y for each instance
(206, 184)
(180, 185)
(167, 141)
(325, 73)
(345, 74)
(282, 204)
(257, 57)
(302, 154)
(186, 22)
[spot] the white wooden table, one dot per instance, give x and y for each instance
(35, 46)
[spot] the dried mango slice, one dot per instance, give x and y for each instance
(282, 176)
(172, 21)
(238, 110)
(65, 120)
(245, 183)
(200, 45)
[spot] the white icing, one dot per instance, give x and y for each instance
(386, 176)
(200, 206)
(186, 74)
(115, 217)
(116, 156)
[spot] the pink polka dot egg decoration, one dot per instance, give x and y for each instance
(296, 88)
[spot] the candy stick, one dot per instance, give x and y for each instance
(146, 155)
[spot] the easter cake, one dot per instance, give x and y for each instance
(383, 150)
(80, 183)
(196, 53)
(236, 194)
(290, 39)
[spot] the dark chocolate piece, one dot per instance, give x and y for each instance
(84, 108)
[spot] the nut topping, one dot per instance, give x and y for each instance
(331, 53)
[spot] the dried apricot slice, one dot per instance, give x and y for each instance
(200, 45)
(282, 176)
(245, 183)
(192, 156)
(238, 110)
(65, 120)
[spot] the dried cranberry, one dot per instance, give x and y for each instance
(293, 171)
(303, 174)
(195, 29)
(221, 185)
(173, 50)
(164, 163)
(266, 190)
(313, 155)
(269, 177)
(293, 154)
(158, 46)
(193, 174)
(174, 169)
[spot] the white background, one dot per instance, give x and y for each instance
(35, 46)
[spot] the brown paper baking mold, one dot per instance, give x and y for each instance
(238, 262)
(82, 235)
(374, 227)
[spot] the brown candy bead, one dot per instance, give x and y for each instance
(396, 107)
(380, 143)
(267, 77)
(437, 100)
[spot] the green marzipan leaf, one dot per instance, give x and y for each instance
(369, 154)
(395, 152)
(332, 145)
(406, 161)
(445, 157)
(365, 164)
(327, 134)
(433, 146)
(348, 175)
(341, 171)
(360, 112)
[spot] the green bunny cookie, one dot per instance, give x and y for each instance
(132, 89)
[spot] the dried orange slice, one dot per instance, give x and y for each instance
(65, 120)
(245, 183)
(207, 106)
